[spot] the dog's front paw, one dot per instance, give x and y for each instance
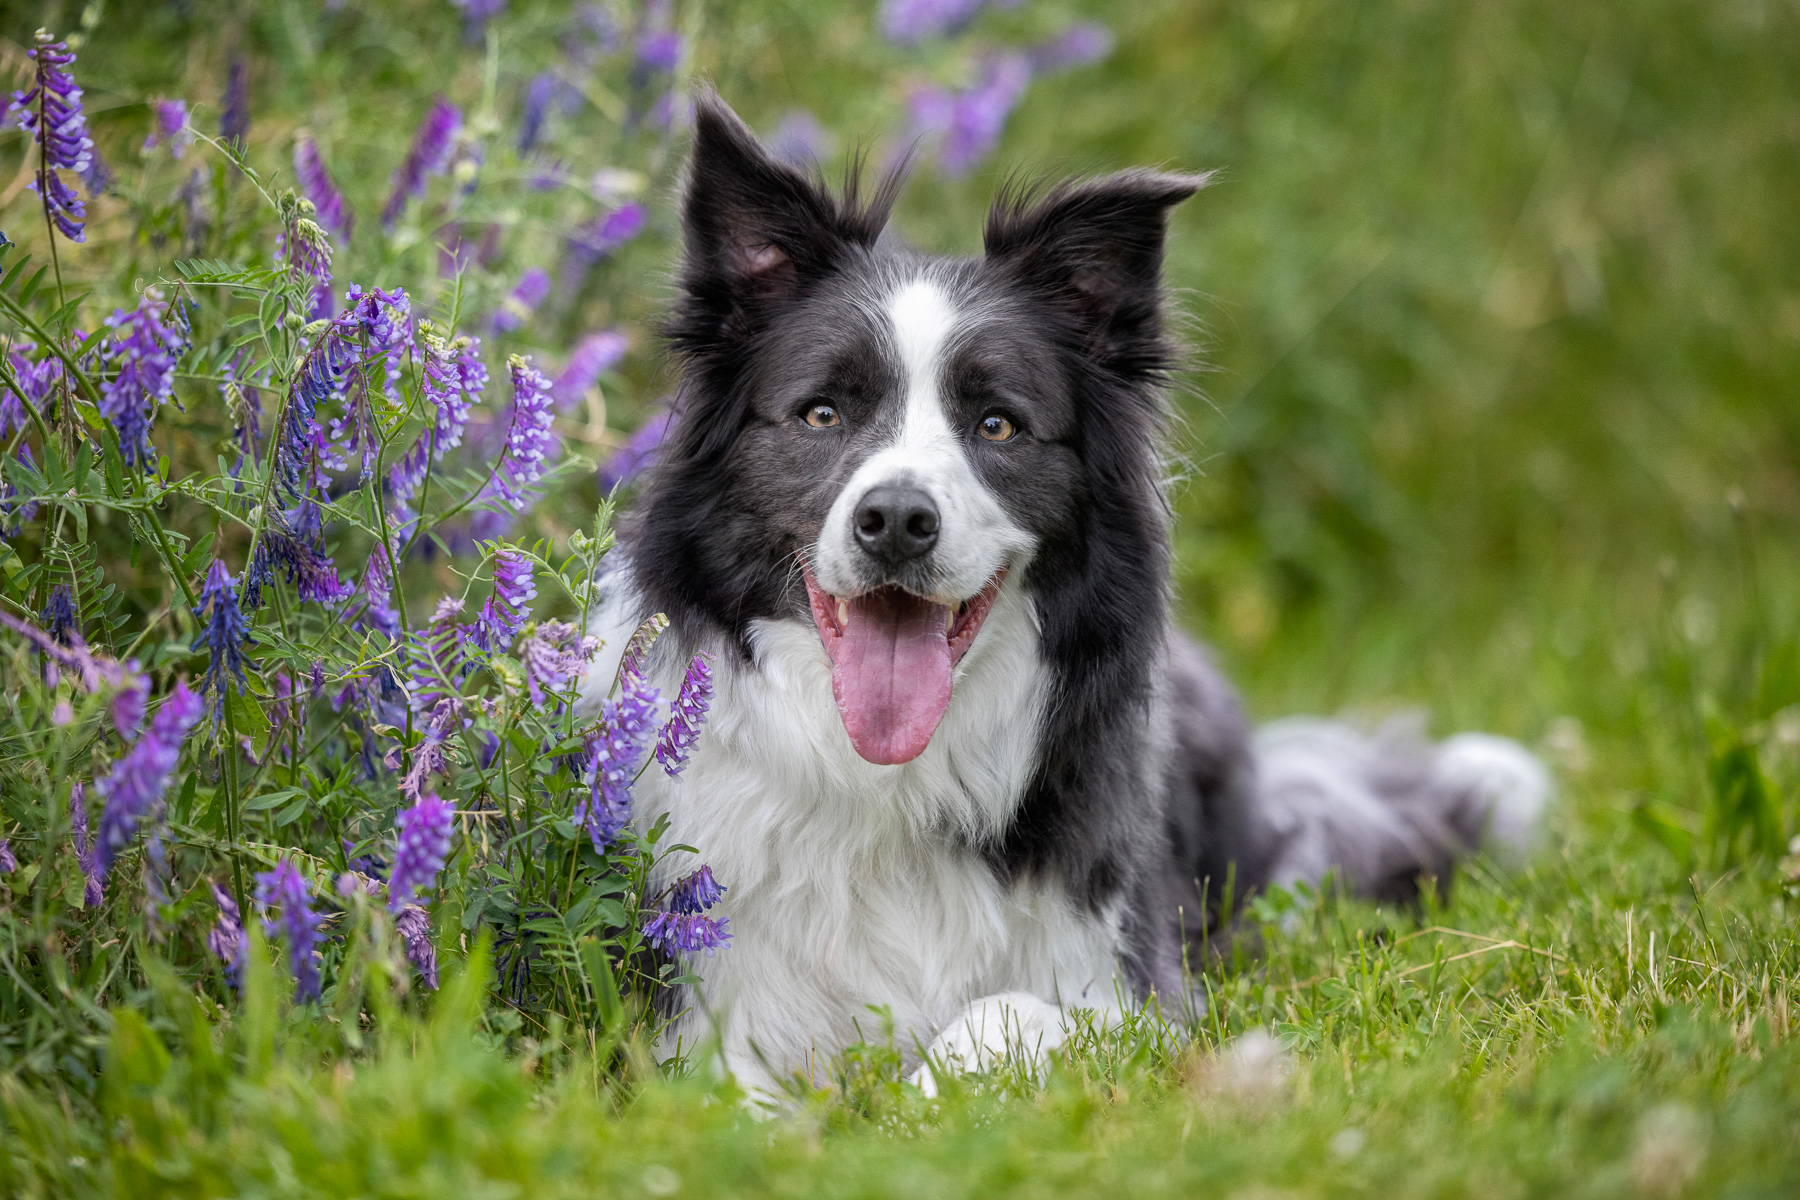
(1011, 1027)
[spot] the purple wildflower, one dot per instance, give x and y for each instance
(430, 155)
(911, 21)
(384, 319)
(414, 926)
(147, 346)
(628, 725)
(58, 617)
(476, 15)
(93, 892)
(378, 589)
(138, 780)
(226, 938)
(320, 188)
(601, 236)
(225, 633)
(667, 110)
(244, 402)
(429, 756)
(972, 120)
(546, 89)
(530, 436)
(533, 286)
(321, 378)
(234, 115)
(8, 863)
(14, 513)
(98, 177)
(454, 376)
(595, 353)
(291, 540)
(799, 141)
(641, 642)
(555, 655)
(306, 251)
(169, 127)
(696, 892)
(51, 112)
(420, 851)
(538, 94)
(659, 51)
(195, 220)
(689, 932)
(284, 888)
(631, 458)
(129, 703)
(36, 379)
(500, 619)
(93, 670)
(689, 714)
(1080, 44)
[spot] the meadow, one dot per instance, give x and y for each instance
(1492, 418)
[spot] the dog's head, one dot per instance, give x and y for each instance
(876, 440)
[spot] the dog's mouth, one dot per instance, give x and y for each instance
(891, 657)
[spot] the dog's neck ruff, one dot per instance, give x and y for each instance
(850, 883)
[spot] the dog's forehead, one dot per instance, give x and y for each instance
(887, 324)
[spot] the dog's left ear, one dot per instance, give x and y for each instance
(1097, 247)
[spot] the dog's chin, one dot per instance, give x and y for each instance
(892, 654)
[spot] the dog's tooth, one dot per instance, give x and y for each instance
(843, 614)
(949, 619)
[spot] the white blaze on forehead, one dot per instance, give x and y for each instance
(922, 319)
(975, 536)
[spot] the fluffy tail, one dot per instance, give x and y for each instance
(1386, 808)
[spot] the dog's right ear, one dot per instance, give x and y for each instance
(756, 232)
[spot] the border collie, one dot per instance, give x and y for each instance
(960, 764)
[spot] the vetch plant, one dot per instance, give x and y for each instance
(275, 611)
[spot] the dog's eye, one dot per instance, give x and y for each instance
(996, 428)
(821, 416)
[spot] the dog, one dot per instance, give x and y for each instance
(959, 763)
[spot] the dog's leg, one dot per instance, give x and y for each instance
(763, 1097)
(1010, 1027)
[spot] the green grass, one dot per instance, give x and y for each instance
(1499, 309)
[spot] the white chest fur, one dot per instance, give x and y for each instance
(852, 884)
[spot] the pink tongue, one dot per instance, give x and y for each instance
(890, 674)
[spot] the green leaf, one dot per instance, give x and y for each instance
(183, 808)
(274, 799)
(249, 720)
(90, 341)
(31, 286)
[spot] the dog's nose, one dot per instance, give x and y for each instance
(895, 524)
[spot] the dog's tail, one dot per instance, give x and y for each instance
(1389, 808)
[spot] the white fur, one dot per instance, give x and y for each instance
(853, 885)
(1517, 785)
(989, 1032)
(976, 537)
